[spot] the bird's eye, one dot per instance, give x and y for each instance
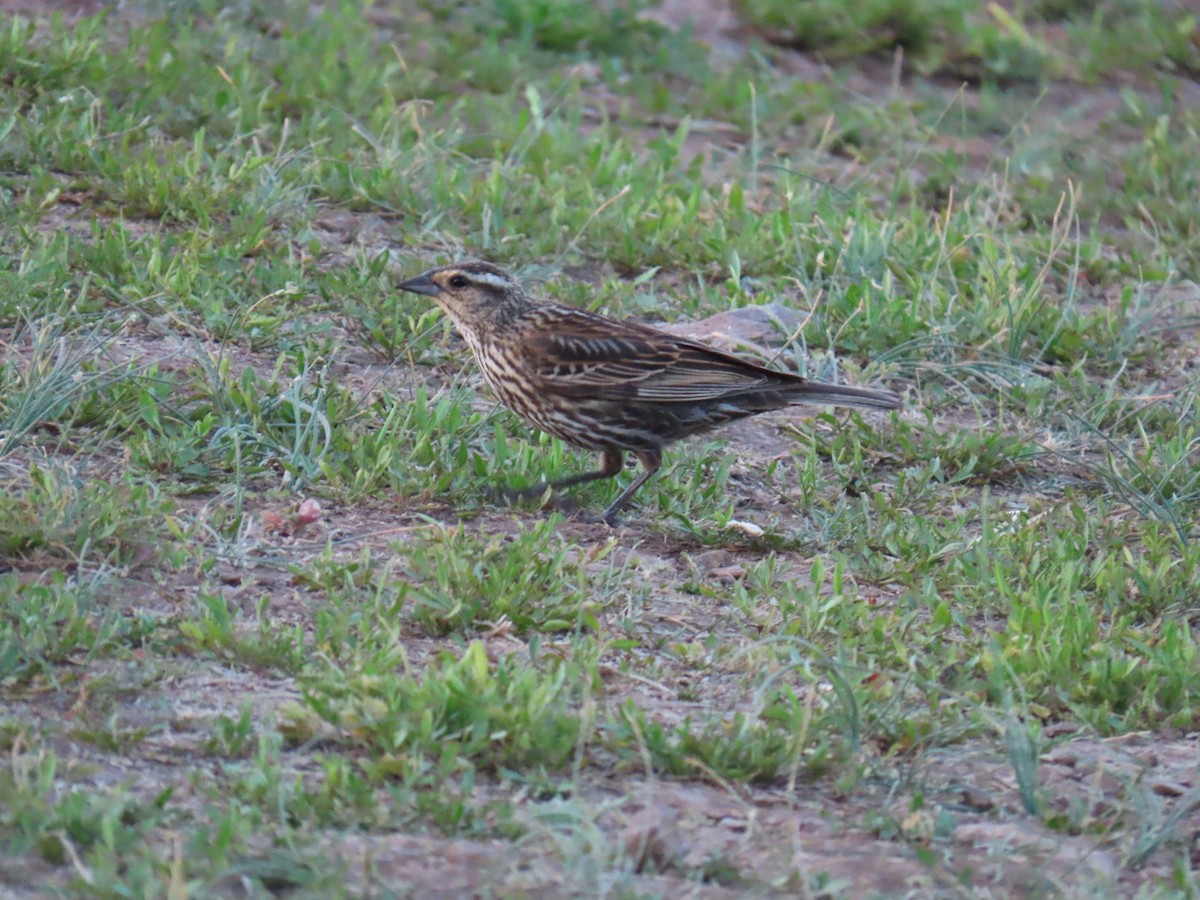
(459, 281)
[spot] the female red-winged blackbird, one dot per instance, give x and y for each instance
(606, 384)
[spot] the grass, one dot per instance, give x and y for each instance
(262, 625)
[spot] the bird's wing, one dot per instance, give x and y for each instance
(576, 353)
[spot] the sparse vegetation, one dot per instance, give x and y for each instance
(928, 640)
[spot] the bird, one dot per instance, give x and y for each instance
(604, 384)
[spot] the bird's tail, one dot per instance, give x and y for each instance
(820, 393)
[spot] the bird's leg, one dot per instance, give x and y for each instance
(611, 464)
(651, 460)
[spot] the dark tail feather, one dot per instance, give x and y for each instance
(819, 393)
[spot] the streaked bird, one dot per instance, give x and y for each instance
(605, 384)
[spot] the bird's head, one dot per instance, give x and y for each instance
(472, 293)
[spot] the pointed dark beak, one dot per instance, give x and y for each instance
(422, 284)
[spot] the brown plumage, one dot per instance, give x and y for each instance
(607, 384)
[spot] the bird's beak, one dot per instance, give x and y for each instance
(422, 284)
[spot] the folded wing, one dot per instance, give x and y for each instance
(577, 354)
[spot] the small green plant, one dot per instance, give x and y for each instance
(950, 36)
(533, 580)
(60, 514)
(230, 737)
(462, 711)
(743, 748)
(44, 625)
(55, 823)
(268, 644)
(605, 27)
(112, 735)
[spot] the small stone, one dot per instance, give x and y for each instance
(728, 573)
(747, 528)
(1147, 757)
(1062, 758)
(651, 842)
(977, 799)
(1167, 788)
